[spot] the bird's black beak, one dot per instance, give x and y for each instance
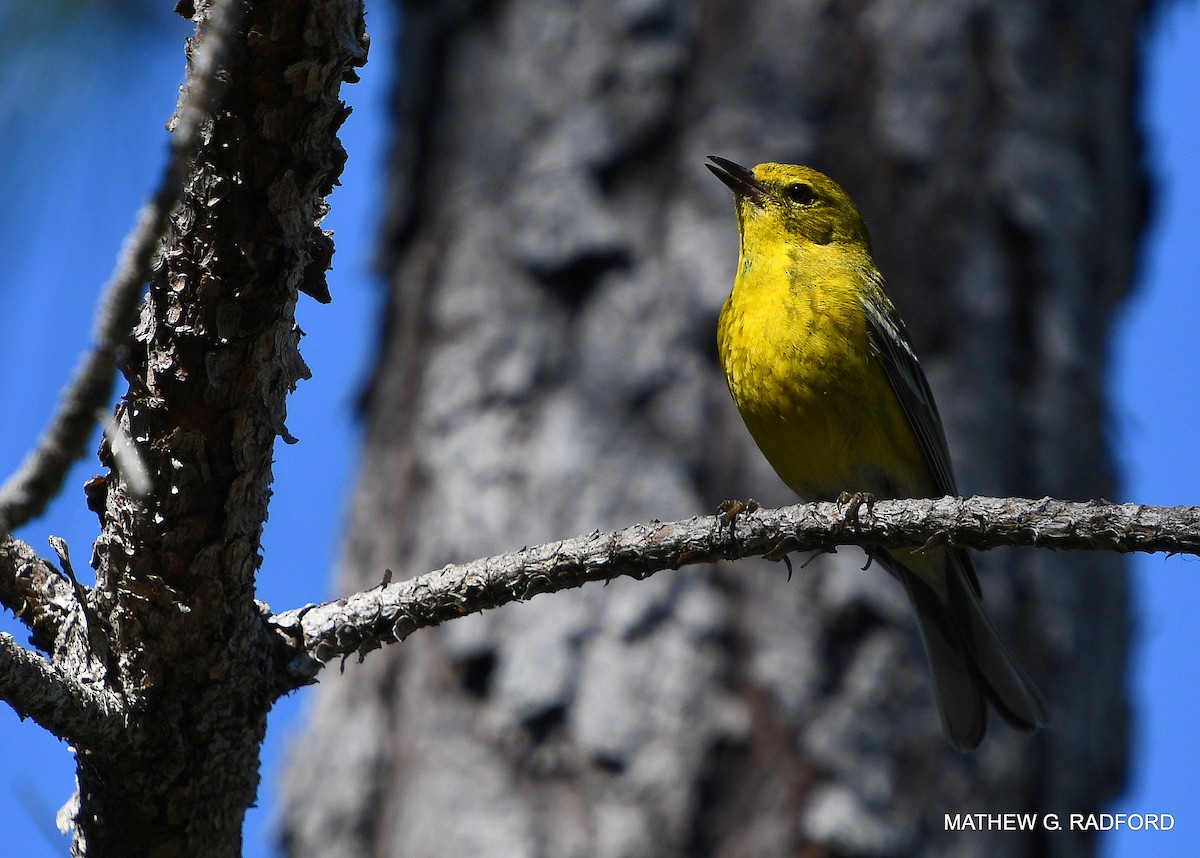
(739, 180)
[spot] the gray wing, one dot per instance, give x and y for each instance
(889, 342)
(968, 659)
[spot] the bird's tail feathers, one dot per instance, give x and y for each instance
(1007, 684)
(970, 663)
(959, 693)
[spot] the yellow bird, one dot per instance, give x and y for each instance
(821, 369)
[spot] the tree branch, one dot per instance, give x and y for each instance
(33, 589)
(40, 477)
(364, 621)
(60, 703)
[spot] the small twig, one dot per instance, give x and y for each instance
(81, 596)
(812, 557)
(64, 557)
(128, 459)
(40, 477)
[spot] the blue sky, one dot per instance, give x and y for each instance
(67, 197)
(1157, 383)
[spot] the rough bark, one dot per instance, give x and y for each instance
(557, 258)
(161, 676)
(389, 613)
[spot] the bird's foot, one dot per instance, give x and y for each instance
(853, 502)
(729, 510)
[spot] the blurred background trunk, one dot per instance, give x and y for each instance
(557, 256)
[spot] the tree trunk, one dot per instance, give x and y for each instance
(171, 639)
(557, 257)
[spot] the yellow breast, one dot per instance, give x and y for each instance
(793, 341)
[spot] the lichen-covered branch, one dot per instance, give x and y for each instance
(391, 612)
(60, 703)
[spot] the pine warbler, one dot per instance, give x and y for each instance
(821, 369)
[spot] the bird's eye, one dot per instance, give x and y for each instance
(800, 193)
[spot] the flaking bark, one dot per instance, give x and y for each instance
(161, 681)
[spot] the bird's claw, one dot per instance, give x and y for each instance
(853, 502)
(728, 511)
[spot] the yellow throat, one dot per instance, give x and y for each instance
(793, 340)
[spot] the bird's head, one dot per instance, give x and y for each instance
(791, 204)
